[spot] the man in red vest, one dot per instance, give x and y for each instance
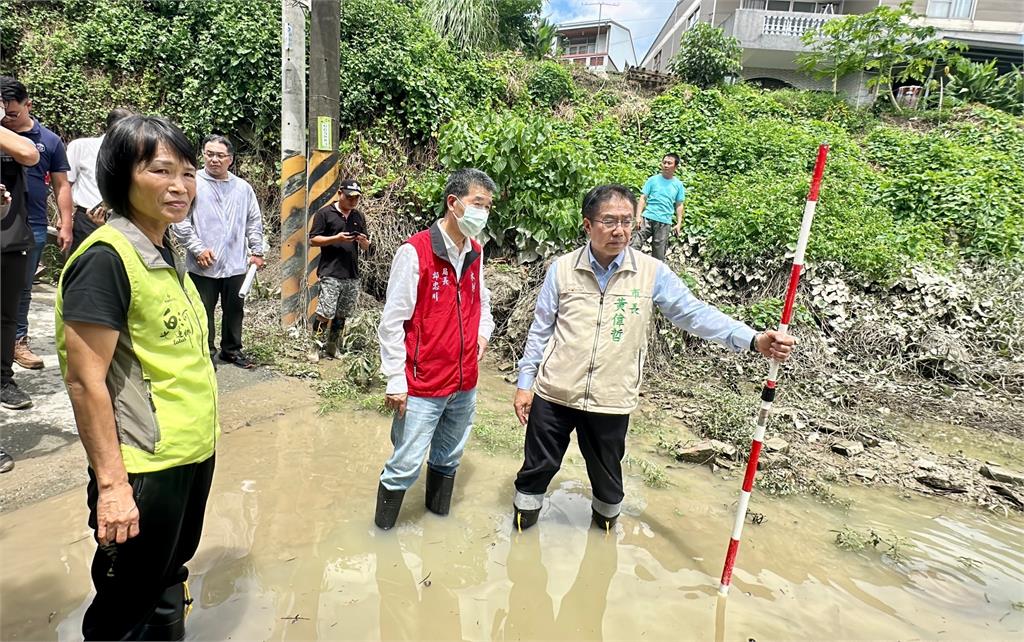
(434, 329)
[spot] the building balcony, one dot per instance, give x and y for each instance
(590, 60)
(773, 30)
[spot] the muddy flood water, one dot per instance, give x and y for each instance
(290, 552)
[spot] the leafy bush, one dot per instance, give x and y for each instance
(707, 56)
(541, 175)
(550, 84)
(209, 66)
(981, 83)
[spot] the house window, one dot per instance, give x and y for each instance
(580, 61)
(955, 9)
(692, 19)
(579, 46)
(802, 6)
(597, 61)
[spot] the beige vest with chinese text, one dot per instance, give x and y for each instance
(595, 358)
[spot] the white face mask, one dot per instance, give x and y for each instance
(473, 219)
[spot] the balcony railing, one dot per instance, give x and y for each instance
(773, 30)
(786, 24)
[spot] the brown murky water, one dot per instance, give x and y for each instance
(290, 553)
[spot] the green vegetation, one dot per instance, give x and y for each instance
(894, 546)
(654, 476)
(414, 105)
(497, 433)
(707, 56)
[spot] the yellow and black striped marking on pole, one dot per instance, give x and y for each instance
(293, 237)
(322, 185)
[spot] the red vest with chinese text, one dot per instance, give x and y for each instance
(441, 336)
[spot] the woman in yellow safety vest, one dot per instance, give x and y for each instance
(131, 338)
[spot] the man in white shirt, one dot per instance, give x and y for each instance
(433, 331)
(223, 235)
(85, 193)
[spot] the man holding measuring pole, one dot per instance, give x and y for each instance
(584, 356)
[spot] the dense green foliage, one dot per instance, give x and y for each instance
(211, 66)
(550, 84)
(975, 82)
(885, 41)
(707, 56)
(413, 108)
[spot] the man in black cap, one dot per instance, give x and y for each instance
(339, 230)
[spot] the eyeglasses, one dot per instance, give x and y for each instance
(216, 156)
(612, 223)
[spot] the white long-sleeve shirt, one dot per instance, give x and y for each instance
(226, 218)
(403, 285)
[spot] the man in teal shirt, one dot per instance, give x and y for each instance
(663, 195)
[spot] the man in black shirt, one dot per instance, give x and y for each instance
(339, 230)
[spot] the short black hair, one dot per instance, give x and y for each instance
(12, 89)
(217, 138)
(462, 179)
(674, 157)
(116, 114)
(601, 194)
(131, 141)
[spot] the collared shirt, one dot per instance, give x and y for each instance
(671, 296)
(663, 194)
(403, 285)
(226, 219)
(52, 160)
(82, 154)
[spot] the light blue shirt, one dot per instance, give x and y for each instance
(662, 196)
(671, 296)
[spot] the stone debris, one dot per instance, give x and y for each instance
(941, 482)
(1008, 494)
(848, 447)
(999, 474)
(777, 445)
(866, 474)
(705, 451)
(869, 439)
(771, 460)
(924, 464)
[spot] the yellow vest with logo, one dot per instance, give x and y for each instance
(161, 378)
(595, 358)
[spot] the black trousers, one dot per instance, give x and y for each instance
(231, 305)
(135, 581)
(81, 228)
(12, 282)
(602, 441)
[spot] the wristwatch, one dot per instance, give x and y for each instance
(753, 342)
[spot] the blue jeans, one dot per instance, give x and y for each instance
(438, 424)
(34, 255)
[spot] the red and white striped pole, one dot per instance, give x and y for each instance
(768, 391)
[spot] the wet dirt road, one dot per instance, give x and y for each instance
(289, 552)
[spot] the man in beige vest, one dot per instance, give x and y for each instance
(584, 356)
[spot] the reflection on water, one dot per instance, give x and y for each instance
(290, 553)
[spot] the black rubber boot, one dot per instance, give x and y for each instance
(168, 619)
(523, 519)
(602, 522)
(389, 502)
(439, 491)
(331, 349)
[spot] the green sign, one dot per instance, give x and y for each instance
(324, 127)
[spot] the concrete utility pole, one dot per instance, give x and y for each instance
(324, 80)
(293, 160)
